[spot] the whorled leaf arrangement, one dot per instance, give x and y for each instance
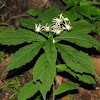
(46, 32)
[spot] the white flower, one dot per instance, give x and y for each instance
(61, 16)
(66, 19)
(58, 20)
(68, 27)
(61, 19)
(38, 28)
(59, 24)
(47, 28)
(56, 29)
(53, 41)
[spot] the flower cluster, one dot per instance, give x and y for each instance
(60, 23)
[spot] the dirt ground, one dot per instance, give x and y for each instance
(85, 92)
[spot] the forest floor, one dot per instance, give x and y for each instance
(10, 83)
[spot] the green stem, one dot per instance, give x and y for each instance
(53, 92)
(70, 96)
(2, 5)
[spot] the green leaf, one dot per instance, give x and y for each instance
(28, 90)
(48, 14)
(66, 1)
(96, 27)
(69, 3)
(94, 11)
(85, 2)
(51, 52)
(83, 10)
(76, 2)
(24, 55)
(34, 12)
(5, 24)
(71, 12)
(77, 61)
(81, 26)
(79, 36)
(14, 37)
(81, 77)
(45, 33)
(39, 97)
(1, 30)
(29, 23)
(44, 72)
(86, 79)
(83, 40)
(66, 86)
(95, 3)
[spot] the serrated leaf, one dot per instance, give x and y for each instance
(69, 3)
(83, 40)
(77, 61)
(51, 52)
(45, 33)
(38, 97)
(24, 55)
(34, 12)
(94, 11)
(83, 10)
(66, 86)
(81, 77)
(86, 79)
(48, 79)
(48, 14)
(44, 72)
(84, 2)
(96, 27)
(15, 37)
(76, 2)
(29, 23)
(28, 90)
(71, 12)
(79, 36)
(95, 3)
(81, 26)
